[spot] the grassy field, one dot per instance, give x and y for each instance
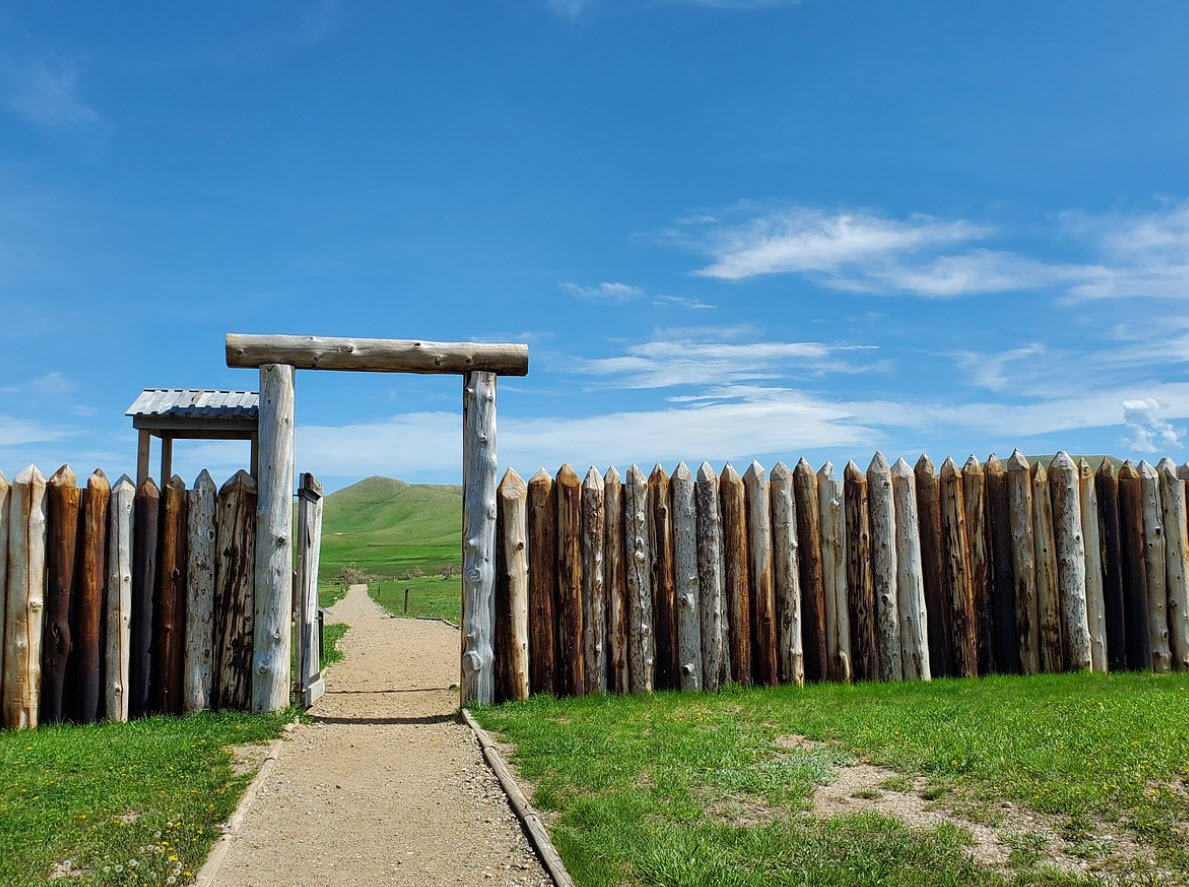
(709, 790)
(428, 596)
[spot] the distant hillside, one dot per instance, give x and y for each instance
(385, 526)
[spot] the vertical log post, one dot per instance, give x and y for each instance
(910, 582)
(4, 490)
(1106, 488)
(664, 593)
(92, 574)
(512, 588)
(594, 582)
(235, 591)
(170, 616)
(737, 581)
(638, 556)
(144, 580)
(24, 608)
(786, 573)
(978, 542)
(830, 499)
(813, 597)
(542, 584)
(710, 579)
(762, 595)
(1156, 567)
(1176, 541)
(859, 583)
(1048, 596)
(571, 665)
(1023, 556)
(199, 669)
(882, 507)
(118, 616)
(933, 567)
(1071, 561)
(63, 498)
(1003, 578)
(1095, 576)
(309, 555)
(685, 572)
(1135, 569)
(274, 535)
(956, 572)
(617, 588)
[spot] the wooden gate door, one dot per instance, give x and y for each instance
(310, 685)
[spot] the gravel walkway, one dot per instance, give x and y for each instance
(385, 787)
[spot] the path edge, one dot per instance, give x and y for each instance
(533, 825)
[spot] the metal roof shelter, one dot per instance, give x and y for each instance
(191, 414)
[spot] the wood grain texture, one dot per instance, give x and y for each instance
(1135, 570)
(813, 598)
(198, 675)
(638, 561)
(933, 567)
(511, 590)
(1071, 562)
(685, 573)
(1003, 576)
(882, 512)
(235, 591)
(1176, 559)
(733, 498)
(1048, 596)
(978, 548)
(169, 615)
(664, 590)
(309, 555)
(1023, 553)
(765, 666)
(1095, 574)
(144, 581)
(617, 587)
(786, 576)
(860, 586)
(594, 582)
(910, 582)
(376, 355)
(4, 491)
(86, 672)
(25, 604)
(118, 615)
(63, 500)
(542, 584)
(959, 595)
(1106, 486)
(832, 519)
(712, 615)
(571, 666)
(1156, 567)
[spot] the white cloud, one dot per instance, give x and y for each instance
(301, 29)
(55, 384)
(19, 432)
(1149, 431)
(969, 273)
(44, 89)
(991, 370)
(616, 292)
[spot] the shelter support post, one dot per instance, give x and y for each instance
(143, 445)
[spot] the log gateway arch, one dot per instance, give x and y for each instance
(278, 358)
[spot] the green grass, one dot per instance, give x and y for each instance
(332, 633)
(428, 596)
(694, 790)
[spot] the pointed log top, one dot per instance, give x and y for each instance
(612, 476)
(681, 472)
(1084, 469)
(1146, 469)
(924, 464)
(512, 485)
(309, 483)
(1039, 473)
(63, 477)
(176, 483)
(541, 477)
(706, 473)
(729, 475)
(149, 488)
(781, 471)
(878, 464)
(993, 465)
(1062, 463)
(658, 476)
(826, 472)
(567, 477)
(1127, 470)
(593, 480)
(29, 475)
(241, 480)
(949, 468)
(1167, 467)
(124, 484)
(1183, 471)
(3, 481)
(1017, 462)
(972, 466)
(636, 476)
(98, 482)
(851, 472)
(901, 468)
(204, 482)
(1107, 469)
(755, 472)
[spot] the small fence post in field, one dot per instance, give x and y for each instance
(978, 546)
(617, 589)
(1003, 576)
(813, 595)
(1106, 487)
(235, 590)
(830, 498)
(1155, 564)
(1172, 495)
(594, 582)
(198, 674)
(1092, 536)
(664, 594)
(1135, 569)
(92, 574)
(860, 588)
(933, 567)
(712, 613)
(118, 618)
(641, 643)
(1023, 553)
(542, 584)
(511, 589)
(910, 583)
(24, 609)
(1071, 562)
(958, 593)
(571, 665)
(1048, 597)
(735, 556)
(882, 512)
(63, 499)
(685, 569)
(762, 595)
(786, 574)
(170, 628)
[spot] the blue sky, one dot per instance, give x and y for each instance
(726, 229)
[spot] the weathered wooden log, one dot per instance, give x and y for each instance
(63, 498)
(511, 649)
(309, 547)
(664, 592)
(1048, 595)
(813, 597)
(910, 582)
(1156, 567)
(978, 549)
(832, 520)
(1092, 537)
(170, 617)
(617, 588)
(542, 584)
(376, 355)
(638, 560)
(882, 511)
(765, 665)
(712, 613)
(146, 524)
(1023, 555)
(4, 490)
(941, 658)
(1106, 487)
(860, 586)
(1176, 555)
(235, 591)
(1134, 570)
(1003, 577)
(274, 539)
(685, 572)
(786, 576)
(198, 667)
(737, 580)
(959, 595)
(571, 665)
(118, 610)
(25, 606)
(87, 695)
(1071, 562)
(594, 583)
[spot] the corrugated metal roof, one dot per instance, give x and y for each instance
(196, 403)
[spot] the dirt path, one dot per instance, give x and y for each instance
(385, 787)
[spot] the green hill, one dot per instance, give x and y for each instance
(385, 527)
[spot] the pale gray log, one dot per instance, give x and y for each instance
(26, 599)
(199, 655)
(638, 564)
(833, 522)
(119, 600)
(910, 577)
(710, 576)
(786, 574)
(763, 595)
(479, 481)
(513, 510)
(594, 582)
(1176, 552)
(1155, 561)
(1071, 561)
(1023, 557)
(616, 585)
(685, 569)
(1048, 596)
(309, 548)
(4, 488)
(881, 502)
(1095, 595)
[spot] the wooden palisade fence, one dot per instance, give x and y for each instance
(117, 603)
(694, 580)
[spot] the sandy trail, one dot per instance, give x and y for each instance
(385, 786)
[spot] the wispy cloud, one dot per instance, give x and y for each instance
(573, 9)
(54, 384)
(303, 27)
(43, 87)
(615, 292)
